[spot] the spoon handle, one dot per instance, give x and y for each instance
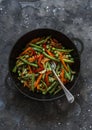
(69, 96)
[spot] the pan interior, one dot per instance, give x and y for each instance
(19, 46)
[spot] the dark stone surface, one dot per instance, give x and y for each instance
(74, 18)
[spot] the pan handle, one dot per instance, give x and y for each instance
(79, 44)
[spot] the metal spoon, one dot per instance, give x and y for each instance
(69, 96)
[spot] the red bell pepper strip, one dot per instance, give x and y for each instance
(44, 46)
(47, 77)
(39, 64)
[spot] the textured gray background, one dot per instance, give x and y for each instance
(73, 18)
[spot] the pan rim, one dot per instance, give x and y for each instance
(42, 99)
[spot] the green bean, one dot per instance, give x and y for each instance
(64, 50)
(34, 45)
(40, 49)
(37, 49)
(57, 91)
(44, 84)
(42, 90)
(68, 61)
(50, 57)
(43, 40)
(53, 48)
(27, 62)
(25, 77)
(69, 68)
(48, 66)
(49, 88)
(24, 71)
(57, 68)
(57, 55)
(16, 67)
(68, 75)
(29, 76)
(53, 89)
(47, 38)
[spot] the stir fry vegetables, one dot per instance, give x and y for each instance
(33, 65)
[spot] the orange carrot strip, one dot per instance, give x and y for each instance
(25, 84)
(62, 76)
(38, 80)
(38, 86)
(50, 53)
(31, 59)
(44, 60)
(26, 50)
(30, 70)
(54, 40)
(65, 66)
(53, 43)
(35, 40)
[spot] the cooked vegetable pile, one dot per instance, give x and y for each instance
(33, 65)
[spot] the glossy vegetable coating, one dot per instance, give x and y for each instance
(33, 65)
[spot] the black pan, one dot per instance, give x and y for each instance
(20, 45)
